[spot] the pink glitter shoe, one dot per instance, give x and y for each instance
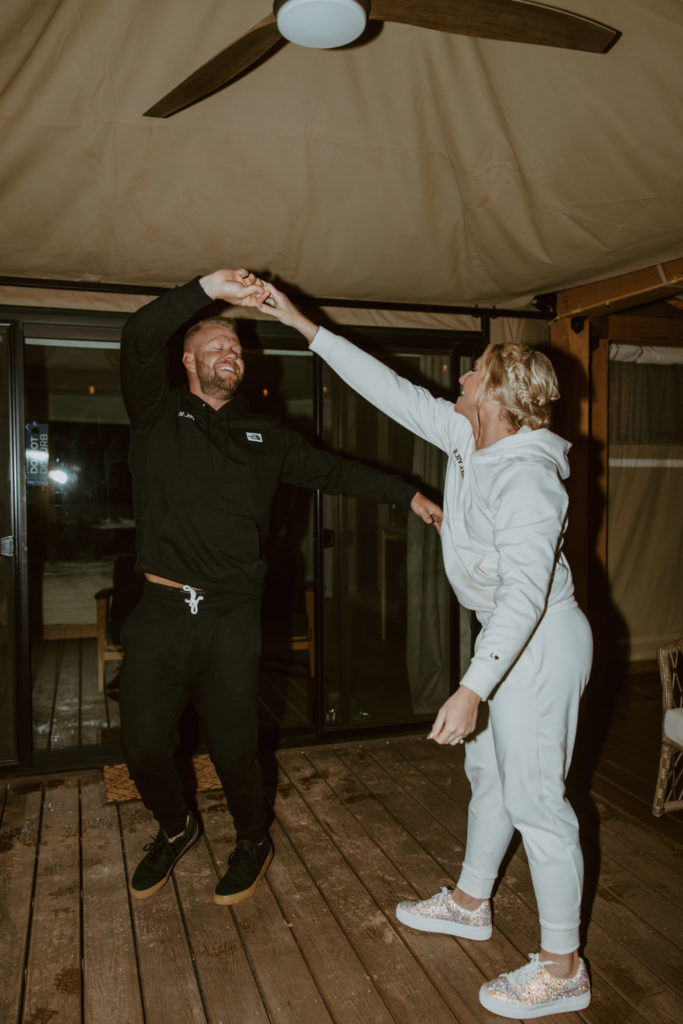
(531, 991)
(441, 913)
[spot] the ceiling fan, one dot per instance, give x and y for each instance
(324, 24)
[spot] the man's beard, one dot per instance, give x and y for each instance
(214, 385)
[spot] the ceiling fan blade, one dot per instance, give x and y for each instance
(517, 21)
(221, 69)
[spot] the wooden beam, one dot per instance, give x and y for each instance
(599, 452)
(639, 330)
(617, 293)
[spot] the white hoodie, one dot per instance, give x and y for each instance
(504, 511)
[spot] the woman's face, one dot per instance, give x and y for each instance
(469, 382)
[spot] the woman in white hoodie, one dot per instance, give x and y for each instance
(504, 518)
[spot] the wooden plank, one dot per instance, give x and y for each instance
(616, 293)
(19, 851)
(44, 685)
(93, 701)
(226, 979)
(69, 630)
(598, 504)
(288, 991)
(641, 850)
(167, 974)
(361, 885)
(66, 716)
(53, 975)
(111, 986)
(346, 987)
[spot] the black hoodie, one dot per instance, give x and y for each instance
(204, 479)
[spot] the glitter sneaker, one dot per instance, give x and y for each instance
(441, 913)
(531, 991)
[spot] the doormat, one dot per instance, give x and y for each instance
(198, 775)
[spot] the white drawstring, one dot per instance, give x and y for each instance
(193, 600)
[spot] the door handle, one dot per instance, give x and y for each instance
(328, 538)
(7, 547)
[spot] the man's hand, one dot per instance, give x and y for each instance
(278, 305)
(428, 511)
(457, 718)
(239, 287)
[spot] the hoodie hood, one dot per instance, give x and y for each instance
(532, 443)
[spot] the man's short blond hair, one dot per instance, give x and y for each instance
(229, 323)
(522, 380)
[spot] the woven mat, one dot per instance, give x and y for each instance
(199, 775)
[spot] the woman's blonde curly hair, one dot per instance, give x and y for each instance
(522, 380)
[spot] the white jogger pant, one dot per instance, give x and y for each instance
(517, 766)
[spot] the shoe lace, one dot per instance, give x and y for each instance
(243, 850)
(157, 847)
(525, 973)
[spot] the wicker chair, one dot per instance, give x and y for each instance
(669, 789)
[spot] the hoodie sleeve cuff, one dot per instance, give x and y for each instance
(481, 679)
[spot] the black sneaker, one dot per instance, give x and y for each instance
(247, 864)
(154, 870)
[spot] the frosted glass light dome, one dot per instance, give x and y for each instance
(321, 24)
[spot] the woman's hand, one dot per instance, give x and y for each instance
(457, 718)
(428, 511)
(239, 287)
(278, 305)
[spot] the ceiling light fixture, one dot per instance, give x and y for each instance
(322, 24)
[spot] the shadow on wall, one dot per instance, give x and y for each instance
(587, 502)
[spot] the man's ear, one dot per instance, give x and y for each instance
(188, 361)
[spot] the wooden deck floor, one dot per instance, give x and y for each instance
(357, 827)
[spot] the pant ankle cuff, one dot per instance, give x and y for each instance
(559, 940)
(477, 886)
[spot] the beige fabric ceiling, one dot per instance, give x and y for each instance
(417, 167)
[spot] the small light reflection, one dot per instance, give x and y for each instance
(265, 392)
(91, 389)
(59, 476)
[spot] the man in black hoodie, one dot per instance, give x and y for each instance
(205, 470)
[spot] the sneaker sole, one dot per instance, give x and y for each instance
(520, 1011)
(143, 894)
(477, 932)
(237, 897)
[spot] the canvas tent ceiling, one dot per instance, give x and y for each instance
(415, 167)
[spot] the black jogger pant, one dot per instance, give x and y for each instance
(212, 656)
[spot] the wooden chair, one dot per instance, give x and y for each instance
(306, 641)
(106, 649)
(669, 789)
